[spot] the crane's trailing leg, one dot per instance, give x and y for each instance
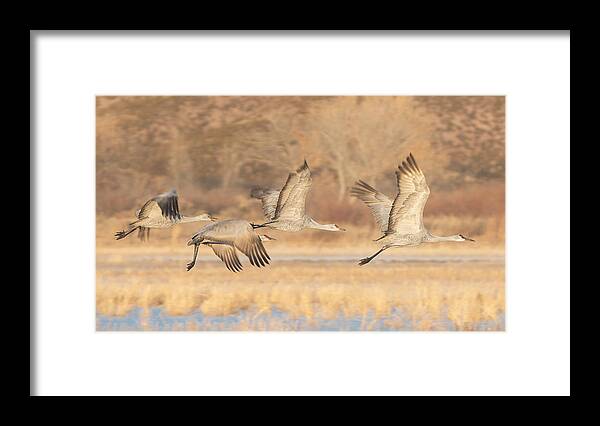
(262, 225)
(193, 262)
(122, 234)
(366, 260)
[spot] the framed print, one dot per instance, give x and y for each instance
(300, 213)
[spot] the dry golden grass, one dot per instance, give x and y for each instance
(429, 295)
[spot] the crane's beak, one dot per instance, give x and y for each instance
(212, 218)
(469, 239)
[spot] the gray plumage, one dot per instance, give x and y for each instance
(161, 211)
(401, 221)
(268, 198)
(285, 209)
(225, 237)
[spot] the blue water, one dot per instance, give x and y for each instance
(158, 320)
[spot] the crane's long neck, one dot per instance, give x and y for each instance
(438, 239)
(311, 223)
(188, 219)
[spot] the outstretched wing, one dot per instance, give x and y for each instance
(292, 198)
(379, 203)
(268, 199)
(165, 204)
(249, 243)
(227, 254)
(406, 216)
(169, 204)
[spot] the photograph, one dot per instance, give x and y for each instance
(300, 213)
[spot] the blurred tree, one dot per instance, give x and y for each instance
(470, 131)
(364, 137)
(199, 144)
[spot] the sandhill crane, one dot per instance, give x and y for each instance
(401, 221)
(161, 211)
(285, 209)
(225, 236)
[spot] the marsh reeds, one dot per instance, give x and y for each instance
(416, 296)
